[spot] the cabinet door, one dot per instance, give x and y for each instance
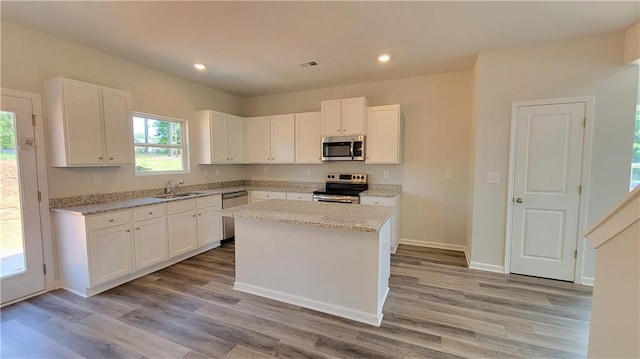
(308, 137)
(219, 138)
(150, 242)
(118, 128)
(83, 123)
(383, 135)
(300, 196)
(257, 196)
(209, 226)
(235, 138)
(282, 129)
(183, 235)
(331, 117)
(257, 147)
(110, 253)
(353, 115)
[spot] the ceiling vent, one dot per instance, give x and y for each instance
(311, 63)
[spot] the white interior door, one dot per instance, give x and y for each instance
(20, 227)
(548, 152)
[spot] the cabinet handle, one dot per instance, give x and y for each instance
(110, 158)
(101, 158)
(128, 230)
(111, 220)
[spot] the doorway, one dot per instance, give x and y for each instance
(545, 186)
(22, 271)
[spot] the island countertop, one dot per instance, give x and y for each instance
(351, 217)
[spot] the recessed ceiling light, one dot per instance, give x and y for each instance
(200, 67)
(384, 58)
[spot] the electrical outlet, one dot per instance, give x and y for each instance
(265, 171)
(448, 174)
(386, 173)
(218, 172)
(308, 171)
(97, 178)
(205, 173)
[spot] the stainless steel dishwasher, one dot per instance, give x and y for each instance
(233, 199)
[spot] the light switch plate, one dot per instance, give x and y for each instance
(308, 172)
(448, 174)
(205, 173)
(493, 177)
(386, 173)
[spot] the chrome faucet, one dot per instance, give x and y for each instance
(170, 187)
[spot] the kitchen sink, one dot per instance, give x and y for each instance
(178, 195)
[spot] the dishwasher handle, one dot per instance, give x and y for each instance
(235, 194)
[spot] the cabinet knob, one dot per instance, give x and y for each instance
(128, 230)
(110, 158)
(231, 158)
(339, 130)
(199, 214)
(150, 212)
(137, 228)
(194, 216)
(111, 220)
(101, 158)
(367, 157)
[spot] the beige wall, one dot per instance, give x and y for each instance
(437, 113)
(632, 45)
(29, 58)
(591, 66)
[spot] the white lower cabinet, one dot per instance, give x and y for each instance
(182, 227)
(209, 225)
(99, 252)
(257, 196)
(395, 219)
(294, 196)
(110, 253)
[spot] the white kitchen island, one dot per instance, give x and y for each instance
(328, 257)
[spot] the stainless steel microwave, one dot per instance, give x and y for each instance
(343, 148)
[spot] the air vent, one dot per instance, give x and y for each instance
(311, 63)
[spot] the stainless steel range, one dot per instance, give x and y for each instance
(342, 188)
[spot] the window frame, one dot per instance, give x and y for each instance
(184, 146)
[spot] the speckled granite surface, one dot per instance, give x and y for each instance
(107, 202)
(354, 217)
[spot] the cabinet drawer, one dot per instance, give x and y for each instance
(210, 201)
(148, 212)
(181, 206)
(378, 201)
(264, 195)
(299, 196)
(108, 219)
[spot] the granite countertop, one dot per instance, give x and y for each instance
(353, 217)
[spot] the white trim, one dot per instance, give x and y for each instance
(589, 102)
(486, 267)
(437, 245)
(23, 298)
(588, 281)
(349, 313)
(621, 217)
(43, 186)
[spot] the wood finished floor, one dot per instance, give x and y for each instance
(436, 308)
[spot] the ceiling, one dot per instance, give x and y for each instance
(253, 48)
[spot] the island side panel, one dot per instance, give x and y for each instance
(384, 260)
(333, 271)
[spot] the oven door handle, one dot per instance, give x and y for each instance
(351, 149)
(348, 201)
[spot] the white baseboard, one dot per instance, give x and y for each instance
(486, 267)
(438, 245)
(587, 281)
(353, 314)
(57, 285)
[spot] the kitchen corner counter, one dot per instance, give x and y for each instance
(362, 218)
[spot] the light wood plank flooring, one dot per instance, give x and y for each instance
(437, 308)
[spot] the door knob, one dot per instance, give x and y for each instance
(519, 200)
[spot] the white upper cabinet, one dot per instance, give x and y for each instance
(308, 137)
(221, 137)
(384, 135)
(343, 116)
(282, 138)
(90, 125)
(256, 139)
(270, 139)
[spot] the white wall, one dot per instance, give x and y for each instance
(437, 115)
(29, 58)
(590, 66)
